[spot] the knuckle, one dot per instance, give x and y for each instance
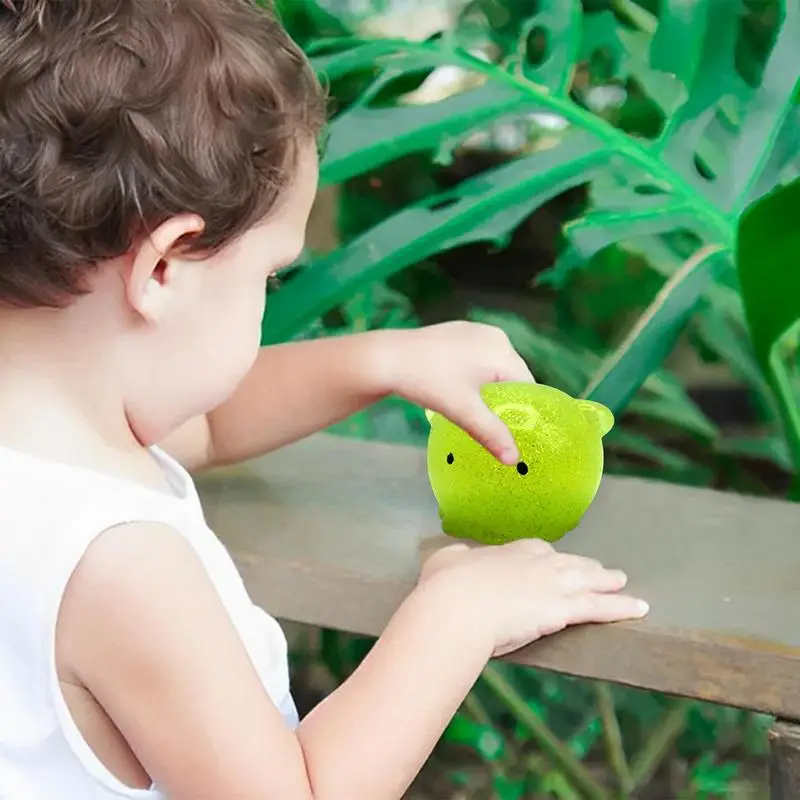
(460, 325)
(591, 602)
(451, 550)
(569, 561)
(532, 547)
(445, 555)
(571, 576)
(563, 561)
(497, 334)
(538, 547)
(488, 332)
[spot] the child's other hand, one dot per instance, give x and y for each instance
(519, 592)
(443, 367)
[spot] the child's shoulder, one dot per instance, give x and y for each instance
(71, 538)
(52, 514)
(53, 507)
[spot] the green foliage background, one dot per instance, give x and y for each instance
(615, 184)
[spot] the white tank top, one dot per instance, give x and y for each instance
(49, 514)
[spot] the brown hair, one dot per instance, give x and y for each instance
(117, 114)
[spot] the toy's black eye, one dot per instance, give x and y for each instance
(522, 468)
(450, 458)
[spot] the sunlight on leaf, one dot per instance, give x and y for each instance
(476, 206)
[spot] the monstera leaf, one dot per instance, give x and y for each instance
(485, 208)
(767, 258)
(728, 139)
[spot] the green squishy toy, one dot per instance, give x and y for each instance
(547, 493)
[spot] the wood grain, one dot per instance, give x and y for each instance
(784, 773)
(328, 532)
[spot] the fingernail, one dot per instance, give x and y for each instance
(643, 607)
(509, 456)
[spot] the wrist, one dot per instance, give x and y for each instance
(449, 597)
(383, 359)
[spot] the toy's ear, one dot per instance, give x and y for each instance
(517, 415)
(430, 415)
(598, 415)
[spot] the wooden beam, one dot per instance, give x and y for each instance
(784, 772)
(328, 532)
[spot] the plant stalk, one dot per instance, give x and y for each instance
(612, 737)
(552, 747)
(657, 747)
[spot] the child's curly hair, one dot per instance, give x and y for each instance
(117, 114)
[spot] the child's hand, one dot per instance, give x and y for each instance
(443, 367)
(519, 592)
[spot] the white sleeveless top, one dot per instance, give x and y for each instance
(49, 514)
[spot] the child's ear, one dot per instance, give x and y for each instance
(598, 415)
(151, 265)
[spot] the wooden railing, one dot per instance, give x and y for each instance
(329, 532)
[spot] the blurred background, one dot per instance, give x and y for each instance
(591, 176)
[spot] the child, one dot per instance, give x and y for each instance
(157, 164)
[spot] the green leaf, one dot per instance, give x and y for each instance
(680, 37)
(669, 404)
(484, 739)
(497, 228)
(355, 58)
(593, 232)
(569, 367)
(600, 31)
(715, 779)
(560, 364)
(365, 138)
(713, 80)
(635, 444)
(558, 22)
(725, 334)
(508, 789)
(743, 137)
(422, 230)
(660, 87)
(714, 75)
(305, 19)
(769, 448)
(768, 252)
(655, 334)
(747, 137)
(783, 163)
(770, 107)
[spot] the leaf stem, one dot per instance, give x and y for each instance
(638, 16)
(784, 391)
(658, 746)
(612, 737)
(617, 141)
(574, 770)
(477, 710)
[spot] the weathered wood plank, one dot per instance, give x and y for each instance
(328, 532)
(784, 768)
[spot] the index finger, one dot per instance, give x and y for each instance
(516, 370)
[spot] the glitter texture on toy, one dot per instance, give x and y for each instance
(546, 493)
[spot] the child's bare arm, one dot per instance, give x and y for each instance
(298, 388)
(143, 629)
